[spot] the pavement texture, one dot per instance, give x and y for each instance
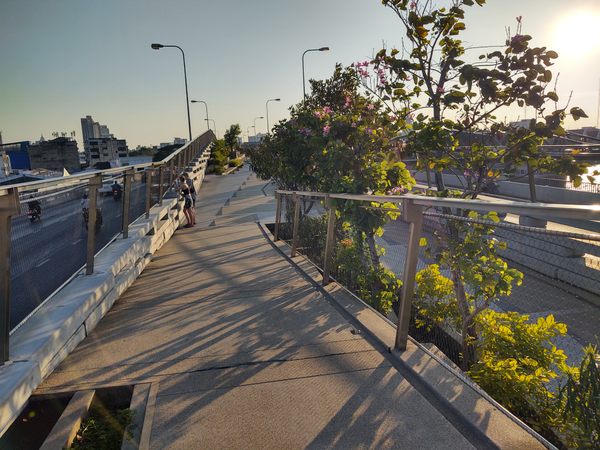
(244, 352)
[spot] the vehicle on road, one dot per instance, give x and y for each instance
(117, 191)
(35, 211)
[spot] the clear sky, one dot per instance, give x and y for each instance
(63, 59)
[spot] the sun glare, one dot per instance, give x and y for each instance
(578, 35)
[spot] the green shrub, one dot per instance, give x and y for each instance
(580, 400)
(237, 162)
(516, 360)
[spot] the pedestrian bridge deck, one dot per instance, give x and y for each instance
(243, 351)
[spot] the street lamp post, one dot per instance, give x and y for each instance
(261, 117)
(214, 126)
(187, 100)
(267, 108)
(321, 49)
(206, 107)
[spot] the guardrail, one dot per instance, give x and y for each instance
(159, 176)
(414, 209)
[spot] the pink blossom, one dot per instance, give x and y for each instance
(347, 101)
(318, 114)
(370, 106)
(396, 190)
(326, 129)
(326, 110)
(440, 90)
(413, 5)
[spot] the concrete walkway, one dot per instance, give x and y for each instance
(243, 352)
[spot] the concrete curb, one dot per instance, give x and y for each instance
(55, 329)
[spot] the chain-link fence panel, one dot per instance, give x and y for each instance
(48, 245)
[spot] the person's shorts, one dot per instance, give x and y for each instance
(188, 203)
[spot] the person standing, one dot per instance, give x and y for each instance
(190, 184)
(187, 199)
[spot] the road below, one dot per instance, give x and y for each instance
(45, 253)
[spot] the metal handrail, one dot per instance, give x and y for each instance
(414, 208)
(531, 209)
(70, 180)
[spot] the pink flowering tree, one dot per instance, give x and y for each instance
(340, 141)
(451, 106)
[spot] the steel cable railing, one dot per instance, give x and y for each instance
(38, 257)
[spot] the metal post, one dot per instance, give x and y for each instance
(9, 206)
(171, 173)
(296, 224)
(277, 215)
(148, 192)
(160, 185)
(128, 177)
(93, 185)
(414, 215)
(330, 243)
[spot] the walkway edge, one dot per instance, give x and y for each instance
(425, 377)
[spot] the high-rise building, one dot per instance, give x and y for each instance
(99, 144)
(105, 149)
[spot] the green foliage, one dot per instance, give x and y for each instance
(164, 152)
(376, 285)
(435, 299)
(581, 399)
(237, 162)
(516, 360)
(479, 276)
(219, 156)
(446, 96)
(103, 430)
(231, 138)
(143, 151)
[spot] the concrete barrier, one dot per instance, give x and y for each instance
(50, 334)
(545, 194)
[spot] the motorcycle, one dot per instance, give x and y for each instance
(86, 218)
(117, 193)
(35, 212)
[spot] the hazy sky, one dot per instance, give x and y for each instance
(63, 59)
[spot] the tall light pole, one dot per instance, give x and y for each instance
(206, 107)
(261, 117)
(214, 126)
(321, 49)
(187, 99)
(267, 108)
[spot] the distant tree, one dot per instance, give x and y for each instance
(165, 151)
(219, 156)
(231, 139)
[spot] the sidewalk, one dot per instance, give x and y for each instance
(243, 352)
